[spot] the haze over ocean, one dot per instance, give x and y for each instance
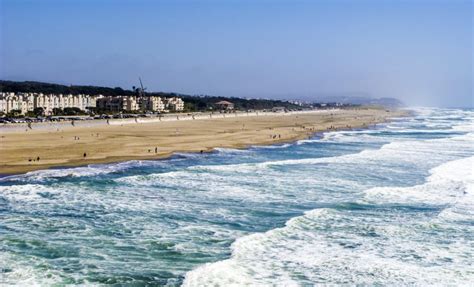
(417, 51)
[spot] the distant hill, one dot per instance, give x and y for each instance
(192, 102)
(359, 100)
(346, 98)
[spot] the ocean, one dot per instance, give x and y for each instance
(391, 205)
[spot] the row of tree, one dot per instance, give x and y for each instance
(39, 112)
(48, 88)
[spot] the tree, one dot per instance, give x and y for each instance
(14, 113)
(92, 110)
(57, 111)
(38, 111)
(189, 107)
(72, 111)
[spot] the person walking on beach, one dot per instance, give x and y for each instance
(85, 155)
(156, 150)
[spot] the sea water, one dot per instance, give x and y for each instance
(389, 205)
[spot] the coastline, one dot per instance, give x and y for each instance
(84, 144)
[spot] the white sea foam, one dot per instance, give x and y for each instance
(399, 151)
(24, 275)
(25, 192)
(85, 171)
(230, 150)
(341, 247)
(448, 183)
(276, 146)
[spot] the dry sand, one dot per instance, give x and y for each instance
(113, 143)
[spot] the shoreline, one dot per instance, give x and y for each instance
(119, 143)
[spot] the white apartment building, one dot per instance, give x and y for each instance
(175, 104)
(131, 104)
(134, 103)
(3, 105)
(27, 102)
(50, 102)
(151, 103)
(16, 103)
(157, 104)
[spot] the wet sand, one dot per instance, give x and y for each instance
(82, 145)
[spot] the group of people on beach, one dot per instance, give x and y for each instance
(156, 150)
(38, 158)
(275, 136)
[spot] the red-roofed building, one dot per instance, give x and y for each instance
(225, 105)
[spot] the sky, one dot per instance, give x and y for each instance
(420, 52)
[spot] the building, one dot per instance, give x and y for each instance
(3, 105)
(130, 104)
(113, 104)
(278, 109)
(10, 102)
(151, 103)
(156, 104)
(225, 105)
(28, 102)
(175, 104)
(140, 103)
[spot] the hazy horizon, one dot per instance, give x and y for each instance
(418, 51)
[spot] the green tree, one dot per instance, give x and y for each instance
(57, 111)
(72, 111)
(14, 113)
(38, 111)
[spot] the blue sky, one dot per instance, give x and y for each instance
(418, 51)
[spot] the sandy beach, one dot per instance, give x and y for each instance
(70, 145)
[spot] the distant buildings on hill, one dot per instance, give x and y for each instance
(49, 104)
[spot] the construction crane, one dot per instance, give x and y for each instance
(143, 102)
(141, 91)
